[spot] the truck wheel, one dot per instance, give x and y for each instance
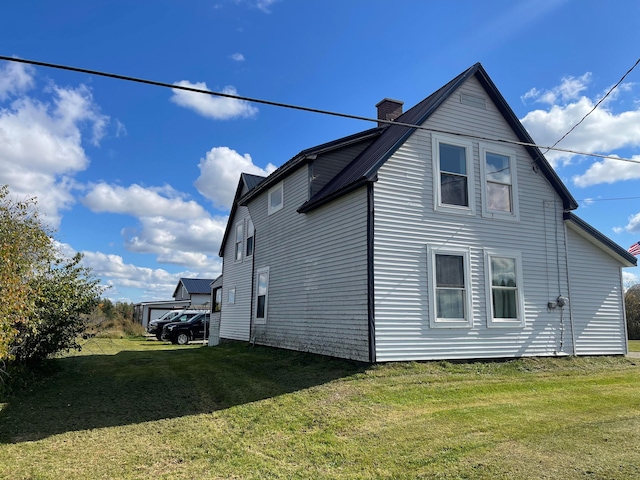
(182, 338)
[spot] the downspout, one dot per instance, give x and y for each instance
(566, 252)
(252, 333)
(370, 278)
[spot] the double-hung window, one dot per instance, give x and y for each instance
(499, 185)
(453, 174)
(217, 299)
(275, 198)
(262, 295)
(450, 291)
(239, 237)
(505, 306)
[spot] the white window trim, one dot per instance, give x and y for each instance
(231, 296)
(436, 139)
(515, 213)
(241, 242)
(272, 210)
(434, 322)
(246, 242)
(504, 322)
(261, 321)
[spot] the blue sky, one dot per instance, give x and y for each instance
(140, 178)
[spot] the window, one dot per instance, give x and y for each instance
(217, 299)
(504, 290)
(498, 169)
(262, 295)
(453, 179)
(450, 293)
(276, 198)
(250, 237)
(231, 295)
(239, 233)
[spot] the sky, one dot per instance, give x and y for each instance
(140, 178)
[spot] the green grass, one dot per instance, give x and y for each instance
(144, 409)
(634, 345)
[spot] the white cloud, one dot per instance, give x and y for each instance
(238, 57)
(139, 201)
(177, 230)
(220, 172)
(608, 171)
(41, 141)
(570, 88)
(156, 283)
(265, 5)
(15, 78)
(603, 131)
(629, 279)
(218, 108)
(634, 224)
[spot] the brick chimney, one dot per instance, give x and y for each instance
(388, 109)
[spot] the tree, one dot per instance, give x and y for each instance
(42, 293)
(632, 309)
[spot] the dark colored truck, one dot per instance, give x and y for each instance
(182, 333)
(156, 326)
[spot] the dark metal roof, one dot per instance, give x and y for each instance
(250, 182)
(309, 154)
(602, 239)
(195, 285)
(365, 166)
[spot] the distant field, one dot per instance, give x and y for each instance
(143, 409)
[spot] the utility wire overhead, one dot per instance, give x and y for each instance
(306, 109)
(595, 106)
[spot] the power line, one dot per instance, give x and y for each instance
(606, 199)
(305, 109)
(595, 106)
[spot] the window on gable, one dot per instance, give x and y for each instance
(239, 234)
(275, 198)
(499, 182)
(250, 238)
(450, 294)
(262, 295)
(504, 290)
(453, 174)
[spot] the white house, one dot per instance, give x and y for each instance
(450, 241)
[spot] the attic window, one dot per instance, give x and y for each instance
(472, 101)
(276, 199)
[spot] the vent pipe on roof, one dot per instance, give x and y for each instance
(388, 109)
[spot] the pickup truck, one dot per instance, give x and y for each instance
(182, 333)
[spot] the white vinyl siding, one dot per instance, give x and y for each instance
(406, 221)
(317, 297)
(235, 318)
(596, 303)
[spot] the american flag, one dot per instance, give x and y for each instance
(635, 249)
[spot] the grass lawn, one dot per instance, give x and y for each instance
(143, 409)
(634, 345)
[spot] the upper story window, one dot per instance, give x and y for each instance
(239, 234)
(453, 174)
(450, 291)
(504, 289)
(498, 168)
(275, 198)
(250, 238)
